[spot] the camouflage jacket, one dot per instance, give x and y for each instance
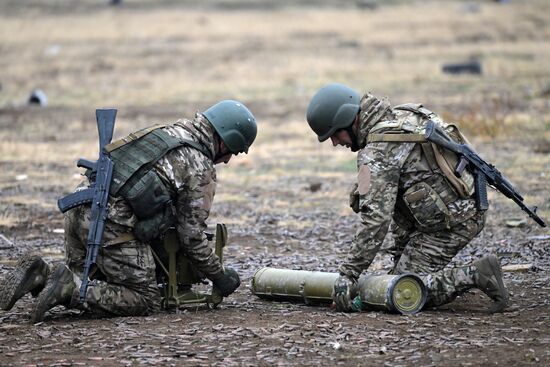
(386, 170)
(190, 177)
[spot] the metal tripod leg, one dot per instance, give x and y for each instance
(181, 271)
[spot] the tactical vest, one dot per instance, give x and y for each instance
(134, 179)
(427, 201)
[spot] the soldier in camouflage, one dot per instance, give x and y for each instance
(400, 178)
(182, 178)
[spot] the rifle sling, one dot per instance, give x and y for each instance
(427, 147)
(428, 150)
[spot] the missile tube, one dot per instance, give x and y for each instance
(404, 293)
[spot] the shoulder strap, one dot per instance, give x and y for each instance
(416, 108)
(396, 137)
(141, 133)
(427, 147)
(435, 157)
(411, 107)
(132, 137)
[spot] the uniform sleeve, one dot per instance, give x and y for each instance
(194, 200)
(379, 169)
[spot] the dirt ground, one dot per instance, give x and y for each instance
(285, 204)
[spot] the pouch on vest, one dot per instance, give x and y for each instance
(151, 203)
(427, 207)
(148, 229)
(148, 195)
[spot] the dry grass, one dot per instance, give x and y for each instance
(158, 61)
(8, 220)
(165, 55)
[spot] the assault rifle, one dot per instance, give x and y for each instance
(484, 173)
(101, 172)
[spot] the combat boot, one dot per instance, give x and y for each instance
(488, 278)
(61, 289)
(30, 275)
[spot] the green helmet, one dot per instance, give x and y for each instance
(332, 108)
(234, 123)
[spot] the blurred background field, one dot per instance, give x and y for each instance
(161, 60)
(286, 202)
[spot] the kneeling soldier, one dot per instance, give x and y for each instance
(434, 214)
(163, 177)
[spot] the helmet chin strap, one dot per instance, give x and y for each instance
(353, 137)
(217, 147)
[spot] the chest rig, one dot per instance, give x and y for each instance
(135, 180)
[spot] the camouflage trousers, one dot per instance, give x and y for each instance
(124, 282)
(427, 253)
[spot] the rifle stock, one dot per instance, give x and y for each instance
(105, 125)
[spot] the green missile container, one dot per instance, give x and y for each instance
(310, 287)
(405, 293)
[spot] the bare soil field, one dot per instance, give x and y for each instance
(285, 203)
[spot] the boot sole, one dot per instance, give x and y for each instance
(40, 306)
(14, 285)
(499, 306)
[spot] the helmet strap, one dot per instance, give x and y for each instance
(217, 146)
(353, 136)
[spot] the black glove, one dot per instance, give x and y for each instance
(226, 282)
(354, 199)
(342, 294)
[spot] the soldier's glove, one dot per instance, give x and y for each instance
(354, 199)
(226, 282)
(342, 294)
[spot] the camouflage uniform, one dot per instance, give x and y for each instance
(431, 222)
(125, 282)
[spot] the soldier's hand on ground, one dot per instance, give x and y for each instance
(226, 282)
(342, 293)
